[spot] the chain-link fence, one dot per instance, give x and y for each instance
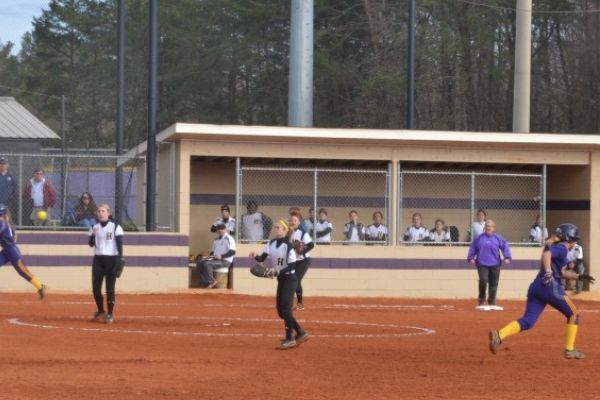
(266, 194)
(66, 187)
(514, 201)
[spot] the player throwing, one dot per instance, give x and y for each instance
(11, 253)
(547, 289)
(282, 258)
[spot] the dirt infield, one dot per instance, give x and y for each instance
(222, 346)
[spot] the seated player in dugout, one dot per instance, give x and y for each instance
(323, 228)
(224, 218)
(416, 232)
(220, 257)
(377, 232)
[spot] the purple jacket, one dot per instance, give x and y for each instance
(486, 250)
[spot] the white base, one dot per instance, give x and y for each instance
(485, 307)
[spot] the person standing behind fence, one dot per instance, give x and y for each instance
(440, 234)
(478, 227)
(309, 223)
(303, 256)
(106, 237)
(256, 226)
(486, 252)
(11, 253)
(9, 192)
(417, 232)
(354, 231)
(536, 233)
(377, 231)
(225, 219)
(38, 195)
(220, 257)
(85, 211)
(323, 228)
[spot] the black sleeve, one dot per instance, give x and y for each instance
(230, 253)
(92, 240)
(323, 232)
(119, 245)
(262, 257)
(308, 247)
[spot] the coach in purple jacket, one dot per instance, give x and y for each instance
(486, 252)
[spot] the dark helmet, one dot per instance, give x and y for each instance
(568, 232)
(3, 209)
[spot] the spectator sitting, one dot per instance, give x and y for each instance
(377, 231)
(440, 234)
(536, 233)
(38, 195)
(575, 264)
(478, 227)
(323, 228)
(221, 257)
(84, 213)
(354, 231)
(226, 219)
(417, 232)
(256, 226)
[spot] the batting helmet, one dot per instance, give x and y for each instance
(3, 209)
(568, 232)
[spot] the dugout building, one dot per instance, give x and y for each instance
(447, 175)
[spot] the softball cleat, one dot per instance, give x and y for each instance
(495, 341)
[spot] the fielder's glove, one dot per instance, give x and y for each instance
(548, 279)
(262, 271)
(587, 278)
(299, 247)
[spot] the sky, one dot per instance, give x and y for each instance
(16, 17)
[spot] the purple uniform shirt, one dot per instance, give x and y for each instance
(485, 249)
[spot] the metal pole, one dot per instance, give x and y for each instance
(300, 95)
(152, 102)
(522, 79)
(410, 101)
(238, 186)
(120, 109)
(315, 192)
(63, 171)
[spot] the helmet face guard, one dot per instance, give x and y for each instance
(568, 232)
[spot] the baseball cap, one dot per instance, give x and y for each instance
(3, 160)
(221, 226)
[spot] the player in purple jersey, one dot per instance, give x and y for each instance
(546, 289)
(11, 253)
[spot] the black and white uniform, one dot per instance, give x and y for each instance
(323, 231)
(354, 233)
(229, 224)
(108, 248)
(443, 236)
(223, 246)
(282, 257)
(302, 260)
(377, 233)
(537, 234)
(416, 234)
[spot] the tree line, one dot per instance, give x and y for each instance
(226, 62)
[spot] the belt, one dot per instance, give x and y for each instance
(292, 272)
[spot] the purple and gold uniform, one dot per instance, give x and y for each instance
(546, 289)
(11, 253)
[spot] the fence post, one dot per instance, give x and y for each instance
(400, 205)
(315, 191)
(238, 186)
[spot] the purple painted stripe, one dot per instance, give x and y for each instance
(379, 202)
(397, 263)
(84, 261)
(81, 238)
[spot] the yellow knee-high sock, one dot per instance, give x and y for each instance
(511, 329)
(571, 335)
(36, 282)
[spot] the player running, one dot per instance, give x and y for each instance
(10, 251)
(547, 289)
(283, 259)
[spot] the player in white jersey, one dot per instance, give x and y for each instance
(440, 234)
(107, 239)
(255, 224)
(538, 234)
(281, 256)
(302, 259)
(226, 219)
(416, 232)
(377, 231)
(354, 231)
(323, 228)
(575, 264)
(220, 258)
(478, 227)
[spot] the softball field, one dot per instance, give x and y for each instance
(222, 346)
